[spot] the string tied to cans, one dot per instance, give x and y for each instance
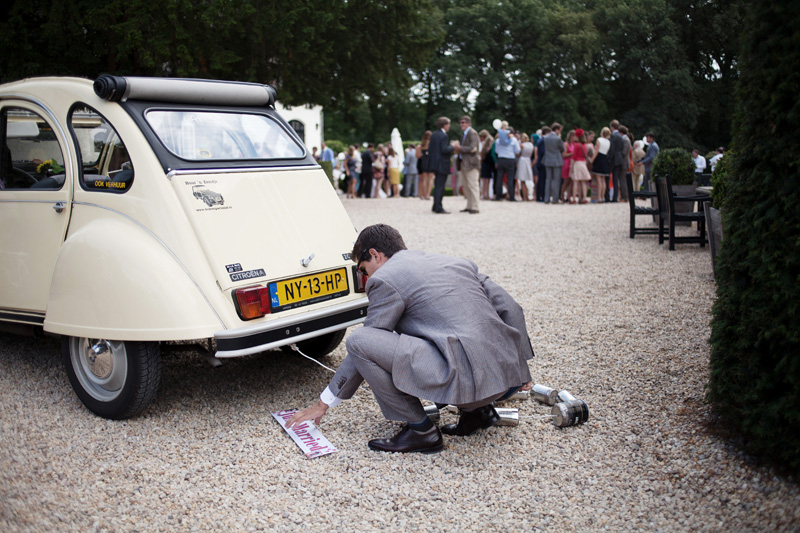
(566, 410)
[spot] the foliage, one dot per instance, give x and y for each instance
(677, 163)
(313, 51)
(581, 63)
(327, 166)
(336, 145)
(719, 180)
(755, 340)
(667, 66)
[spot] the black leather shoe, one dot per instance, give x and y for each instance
(470, 422)
(408, 440)
(465, 211)
(442, 212)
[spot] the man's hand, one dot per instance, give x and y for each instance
(316, 411)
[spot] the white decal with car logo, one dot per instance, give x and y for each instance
(211, 198)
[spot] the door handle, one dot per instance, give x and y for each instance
(59, 207)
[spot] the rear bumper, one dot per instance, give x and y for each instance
(254, 339)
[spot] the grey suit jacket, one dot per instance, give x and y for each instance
(553, 151)
(652, 152)
(469, 158)
(626, 151)
(616, 156)
(462, 337)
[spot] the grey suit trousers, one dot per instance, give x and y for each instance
(552, 191)
(373, 351)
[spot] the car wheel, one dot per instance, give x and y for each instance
(113, 379)
(319, 347)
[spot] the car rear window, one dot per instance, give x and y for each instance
(196, 135)
(106, 165)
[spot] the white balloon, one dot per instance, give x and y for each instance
(497, 123)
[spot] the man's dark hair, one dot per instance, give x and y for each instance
(650, 134)
(546, 130)
(382, 237)
(556, 126)
(441, 122)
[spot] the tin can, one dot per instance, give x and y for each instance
(544, 394)
(433, 413)
(509, 416)
(565, 396)
(520, 395)
(570, 413)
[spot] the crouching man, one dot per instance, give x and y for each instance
(437, 329)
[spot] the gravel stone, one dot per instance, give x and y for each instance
(621, 323)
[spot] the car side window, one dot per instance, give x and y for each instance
(31, 157)
(104, 161)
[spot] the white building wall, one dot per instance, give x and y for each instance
(310, 117)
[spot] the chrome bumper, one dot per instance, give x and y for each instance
(295, 328)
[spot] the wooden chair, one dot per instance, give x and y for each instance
(704, 180)
(667, 214)
(638, 209)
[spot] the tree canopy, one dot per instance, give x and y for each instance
(663, 65)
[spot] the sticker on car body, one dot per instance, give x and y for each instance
(202, 193)
(248, 274)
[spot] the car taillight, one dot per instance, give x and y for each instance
(252, 302)
(360, 280)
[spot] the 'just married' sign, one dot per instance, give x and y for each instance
(307, 436)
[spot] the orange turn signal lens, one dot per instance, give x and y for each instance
(252, 302)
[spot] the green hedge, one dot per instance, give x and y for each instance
(677, 163)
(719, 180)
(327, 166)
(755, 330)
(336, 145)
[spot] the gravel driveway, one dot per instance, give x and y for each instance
(620, 323)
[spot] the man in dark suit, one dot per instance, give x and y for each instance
(365, 188)
(617, 160)
(553, 161)
(440, 152)
(437, 329)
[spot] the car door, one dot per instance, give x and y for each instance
(35, 194)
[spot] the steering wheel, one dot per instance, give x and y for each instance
(22, 178)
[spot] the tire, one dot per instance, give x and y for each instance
(319, 347)
(116, 380)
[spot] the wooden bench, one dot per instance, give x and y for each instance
(639, 209)
(669, 216)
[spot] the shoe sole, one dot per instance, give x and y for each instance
(426, 451)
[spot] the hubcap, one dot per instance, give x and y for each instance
(98, 358)
(100, 365)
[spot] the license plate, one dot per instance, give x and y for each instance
(307, 290)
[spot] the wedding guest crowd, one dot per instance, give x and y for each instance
(509, 165)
